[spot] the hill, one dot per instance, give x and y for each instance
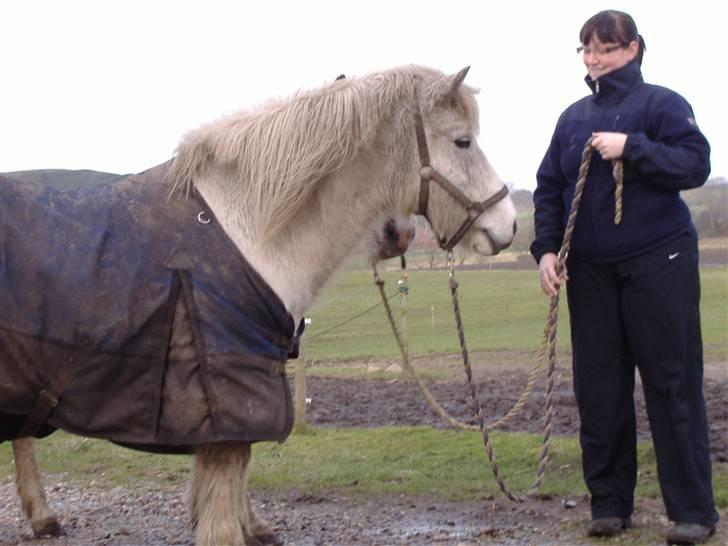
(708, 206)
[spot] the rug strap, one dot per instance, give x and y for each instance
(38, 415)
(54, 389)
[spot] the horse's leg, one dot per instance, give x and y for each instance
(217, 478)
(217, 495)
(258, 528)
(30, 490)
(219, 503)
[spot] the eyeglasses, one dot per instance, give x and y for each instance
(586, 50)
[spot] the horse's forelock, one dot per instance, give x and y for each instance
(465, 98)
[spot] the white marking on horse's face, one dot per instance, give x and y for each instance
(454, 152)
(390, 236)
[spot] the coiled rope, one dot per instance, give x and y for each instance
(430, 398)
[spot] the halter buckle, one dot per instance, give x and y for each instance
(427, 172)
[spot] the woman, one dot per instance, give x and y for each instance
(633, 288)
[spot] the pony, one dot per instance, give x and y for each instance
(294, 184)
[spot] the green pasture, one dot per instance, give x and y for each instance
(502, 310)
(402, 460)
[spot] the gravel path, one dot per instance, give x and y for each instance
(118, 516)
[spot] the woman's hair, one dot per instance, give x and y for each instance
(613, 26)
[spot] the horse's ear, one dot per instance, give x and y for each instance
(445, 90)
(458, 78)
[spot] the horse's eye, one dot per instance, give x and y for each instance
(463, 142)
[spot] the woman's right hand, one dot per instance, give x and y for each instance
(548, 271)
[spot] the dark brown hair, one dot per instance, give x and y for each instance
(613, 26)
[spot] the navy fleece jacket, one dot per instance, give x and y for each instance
(665, 153)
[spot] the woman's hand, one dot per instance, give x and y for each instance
(548, 271)
(609, 145)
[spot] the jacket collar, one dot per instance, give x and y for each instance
(617, 83)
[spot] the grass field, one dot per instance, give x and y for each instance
(501, 310)
(402, 460)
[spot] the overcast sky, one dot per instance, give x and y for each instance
(114, 85)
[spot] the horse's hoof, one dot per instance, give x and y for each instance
(48, 527)
(270, 538)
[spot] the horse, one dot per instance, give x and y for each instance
(292, 185)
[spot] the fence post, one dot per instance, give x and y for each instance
(403, 292)
(299, 404)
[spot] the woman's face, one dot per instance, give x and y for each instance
(602, 58)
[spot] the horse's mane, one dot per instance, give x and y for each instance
(279, 151)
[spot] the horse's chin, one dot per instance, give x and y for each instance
(483, 249)
(481, 243)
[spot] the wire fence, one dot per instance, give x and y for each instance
(347, 321)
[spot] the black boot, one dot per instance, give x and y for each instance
(689, 533)
(608, 527)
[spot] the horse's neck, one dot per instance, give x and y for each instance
(298, 261)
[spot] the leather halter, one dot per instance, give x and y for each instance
(428, 173)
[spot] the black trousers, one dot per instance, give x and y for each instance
(643, 312)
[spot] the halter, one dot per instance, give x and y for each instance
(429, 174)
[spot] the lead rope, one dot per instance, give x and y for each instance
(429, 397)
(548, 344)
(409, 369)
(618, 174)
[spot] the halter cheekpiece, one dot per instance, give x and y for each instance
(428, 173)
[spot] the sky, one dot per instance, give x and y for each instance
(113, 86)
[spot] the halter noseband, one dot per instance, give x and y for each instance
(428, 173)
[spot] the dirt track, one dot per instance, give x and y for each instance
(370, 403)
(150, 517)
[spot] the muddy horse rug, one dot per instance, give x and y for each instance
(93, 267)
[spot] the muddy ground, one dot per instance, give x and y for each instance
(500, 379)
(97, 516)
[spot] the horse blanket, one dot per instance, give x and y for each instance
(92, 268)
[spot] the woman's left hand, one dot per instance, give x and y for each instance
(609, 145)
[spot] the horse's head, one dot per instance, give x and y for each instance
(462, 195)
(297, 182)
(390, 236)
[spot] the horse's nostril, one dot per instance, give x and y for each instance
(515, 227)
(390, 230)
